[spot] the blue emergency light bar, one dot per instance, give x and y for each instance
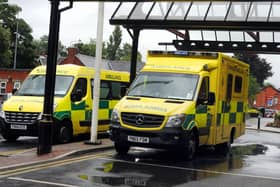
(184, 53)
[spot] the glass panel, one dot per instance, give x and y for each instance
(266, 37)
(277, 36)
(259, 11)
(218, 11)
(275, 13)
(223, 36)
(237, 36)
(209, 35)
(141, 10)
(238, 11)
(178, 11)
(124, 10)
(198, 11)
(160, 10)
(248, 38)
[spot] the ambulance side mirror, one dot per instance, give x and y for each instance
(211, 98)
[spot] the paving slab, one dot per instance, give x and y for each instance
(30, 156)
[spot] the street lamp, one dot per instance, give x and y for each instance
(16, 42)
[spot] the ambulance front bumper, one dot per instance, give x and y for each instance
(164, 138)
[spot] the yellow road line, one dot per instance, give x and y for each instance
(50, 164)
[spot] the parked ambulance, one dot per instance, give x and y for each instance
(182, 100)
(72, 102)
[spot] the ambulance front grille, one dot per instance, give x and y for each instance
(142, 120)
(21, 117)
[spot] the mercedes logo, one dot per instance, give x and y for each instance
(139, 119)
(20, 107)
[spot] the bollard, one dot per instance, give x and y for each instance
(259, 122)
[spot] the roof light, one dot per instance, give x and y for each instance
(183, 53)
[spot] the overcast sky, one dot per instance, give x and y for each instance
(79, 23)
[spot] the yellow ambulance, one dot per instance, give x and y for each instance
(182, 100)
(72, 102)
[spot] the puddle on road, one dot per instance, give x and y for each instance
(158, 172)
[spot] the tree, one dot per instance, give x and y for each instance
(41, 46)
(125, 53)
(5, 52)
(113, 46)
(259, 68)
(89, 48)
(17, 28)
(254, 88)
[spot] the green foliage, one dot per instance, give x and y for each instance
(5, 52)
(254, 87)
(125, 53)
(113, 46)
(259, 67)
(16, 28)
(41, 46)
(89, 48)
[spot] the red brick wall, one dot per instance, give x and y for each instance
(266, 94)
(13, 75)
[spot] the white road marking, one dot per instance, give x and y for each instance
(196, 170)
(41, 182)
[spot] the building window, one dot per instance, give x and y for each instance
(17, 85)
(3, 85)
(275, 100)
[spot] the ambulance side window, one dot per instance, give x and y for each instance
(238, 84)
(118, 89)
(229, 87)
(104, 90)
(80, 90)
(203, 92)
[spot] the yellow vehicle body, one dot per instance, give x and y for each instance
(214, 111)
(72, 101)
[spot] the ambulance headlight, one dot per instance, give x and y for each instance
(2, 114)
(176, 120)
(40, 116)
(54, 106)
(115, 116)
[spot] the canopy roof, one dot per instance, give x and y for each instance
(223, 25)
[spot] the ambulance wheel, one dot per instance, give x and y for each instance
(191, 146)
(10, 137)
(121, 148)
(65, 133)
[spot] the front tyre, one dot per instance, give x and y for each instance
(121, 148)
(10, 137)
(65, 134)
(190, 147)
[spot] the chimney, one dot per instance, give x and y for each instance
(72, 51)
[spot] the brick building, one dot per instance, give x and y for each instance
(268, 97)
(10, 79)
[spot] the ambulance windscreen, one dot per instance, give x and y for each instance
(164, 85)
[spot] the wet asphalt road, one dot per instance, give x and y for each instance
(254, 161)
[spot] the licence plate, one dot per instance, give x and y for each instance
(19, 127)
(135, 181)
(138, 139)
